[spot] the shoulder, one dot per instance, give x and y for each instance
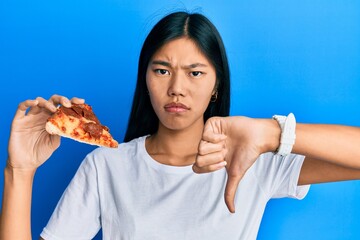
(272, 158)
(123, 148)
(125, 151)
(113, 164)
(270, 163)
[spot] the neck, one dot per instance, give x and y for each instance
(175, 147)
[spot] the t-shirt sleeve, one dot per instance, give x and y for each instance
(77, 215)
(278, 176)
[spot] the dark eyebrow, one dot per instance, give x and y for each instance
(195, 65)
(167, 64)
(158, 62)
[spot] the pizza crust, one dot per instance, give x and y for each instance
(52, 129)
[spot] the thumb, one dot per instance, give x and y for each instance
(230, 190)
(55, 141)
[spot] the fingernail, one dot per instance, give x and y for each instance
(67, 103)
(222, 164)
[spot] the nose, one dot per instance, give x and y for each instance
(177, 86)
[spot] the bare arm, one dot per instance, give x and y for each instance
(16, 204)
(332, 152)
(318, 171)
(332, 143)
(29, 147)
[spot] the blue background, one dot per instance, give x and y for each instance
(299, 56)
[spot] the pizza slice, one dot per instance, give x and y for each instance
(80, 123)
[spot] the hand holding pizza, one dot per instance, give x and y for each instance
(30, 145)
(234, 142)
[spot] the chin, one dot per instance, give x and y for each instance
(180, 124)
(176, 126)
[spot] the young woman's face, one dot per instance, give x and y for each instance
(180, 80)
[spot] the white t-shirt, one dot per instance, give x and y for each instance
(131, 196)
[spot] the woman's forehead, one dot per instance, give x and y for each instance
(181, 51)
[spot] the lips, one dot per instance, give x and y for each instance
(176, 107)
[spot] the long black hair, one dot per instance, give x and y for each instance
(143, 120)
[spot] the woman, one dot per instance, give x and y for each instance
(179, 124)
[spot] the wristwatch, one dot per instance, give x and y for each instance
(288, 136)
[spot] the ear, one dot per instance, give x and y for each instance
(216, 86)
(214, 95)
(215, 90)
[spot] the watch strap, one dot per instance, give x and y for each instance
(288, 136)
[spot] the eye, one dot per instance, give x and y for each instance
(196, 74)
(162, 71)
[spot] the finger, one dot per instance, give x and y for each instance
(23, 106)
(208, 147)
(230, 190)
(210, 168)
(76, 100)
(46, 104)
(209, 159)
(42, 103)
(212, 137)
(57, 99)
